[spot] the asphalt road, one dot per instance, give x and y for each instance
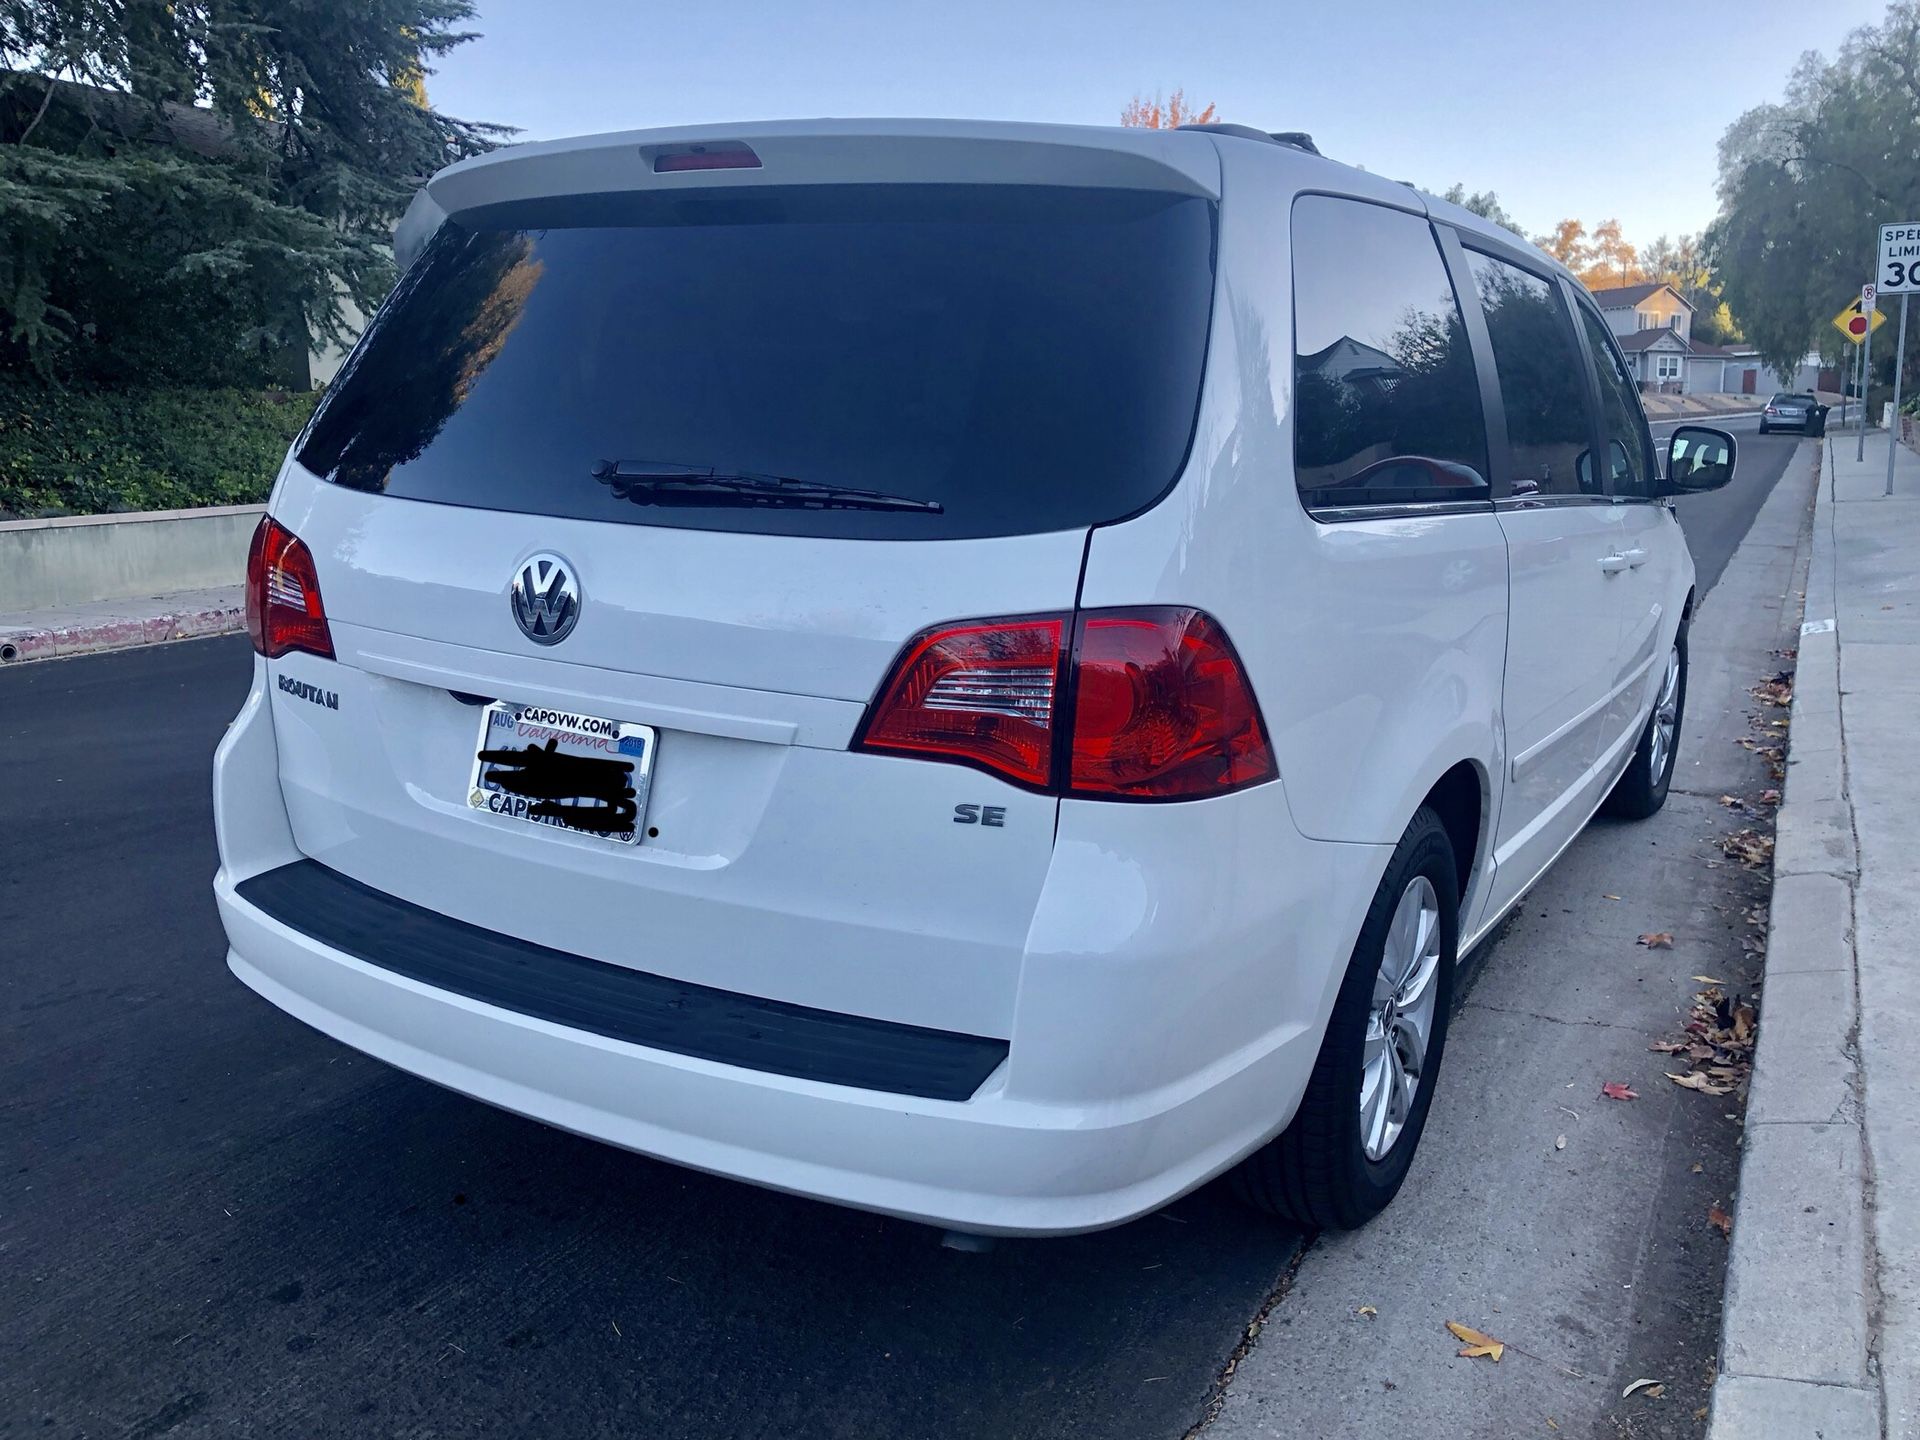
(215, 1220)
(1717, 521)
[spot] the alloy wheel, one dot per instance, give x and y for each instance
(1666, 719)
(1400, 1022)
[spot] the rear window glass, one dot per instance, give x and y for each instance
(1027, 358)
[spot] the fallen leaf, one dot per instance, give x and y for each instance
(1698, 1167)
(1743, 1018)
(1769, 797)
(1749, 847)
(1708, 980)
(1609, 897)
(1366, 1310)
(1559, 1142)
(1477, 1346)
(1654, 1388)
(1700, 1083)
(1719, 1219)
(1614, 1090)
(1668, 1047)
(1658, 940)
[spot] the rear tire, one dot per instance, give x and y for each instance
(1642, 787)
(1329, 1169)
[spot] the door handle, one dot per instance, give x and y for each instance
(1613, 564)
(1636, 557)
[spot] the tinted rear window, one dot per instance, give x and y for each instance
(1029, 358)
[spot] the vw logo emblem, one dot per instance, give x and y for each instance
(545, 599)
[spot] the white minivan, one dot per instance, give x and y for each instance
(983, 672)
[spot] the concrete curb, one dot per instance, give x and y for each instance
(120, 625)
(1796, 1347)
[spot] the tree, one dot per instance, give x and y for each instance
(1483, 203)
(193, 189)
(1600, 258)
(1173, 112)
(1611, 261)
(1567, 243)
(1803, 181)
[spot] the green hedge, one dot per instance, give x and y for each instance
(80, 452)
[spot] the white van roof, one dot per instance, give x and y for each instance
(899, 151)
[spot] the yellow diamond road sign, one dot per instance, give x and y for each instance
(1851, 323)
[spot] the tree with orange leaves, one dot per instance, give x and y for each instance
(1601, 257)
(1158, 114)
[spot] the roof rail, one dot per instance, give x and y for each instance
(1292, 139)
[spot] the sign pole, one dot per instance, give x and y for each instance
(1866, 352)
(1899, 360)
(1853, 384)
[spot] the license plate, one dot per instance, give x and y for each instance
(544, 766)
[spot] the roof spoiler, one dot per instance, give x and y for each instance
(1292, 139)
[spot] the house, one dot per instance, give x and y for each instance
(1653, 325)
(1658, 359)
(1630, 309)
(1734, 369)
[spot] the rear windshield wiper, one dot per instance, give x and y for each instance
(691, 485)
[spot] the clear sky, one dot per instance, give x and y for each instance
(1591, 110)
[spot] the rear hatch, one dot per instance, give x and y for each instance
(770, 432)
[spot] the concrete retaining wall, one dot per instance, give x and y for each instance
(78, 559)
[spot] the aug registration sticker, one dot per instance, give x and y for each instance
(541, 766)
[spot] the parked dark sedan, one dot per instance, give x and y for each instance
(1804, 413)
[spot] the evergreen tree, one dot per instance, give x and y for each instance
(193, 190)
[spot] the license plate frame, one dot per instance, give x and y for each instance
(512, 728)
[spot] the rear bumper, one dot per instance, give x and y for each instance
(990, 1164)
(1174, 982)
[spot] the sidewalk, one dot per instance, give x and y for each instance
(1822, 1318)
(117, 624)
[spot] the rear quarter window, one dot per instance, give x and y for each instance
(1386, 402)
(1028, 358)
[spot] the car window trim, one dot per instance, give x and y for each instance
(1596, 407)
(1388, 510)
(1404, 510)
(1493, 406)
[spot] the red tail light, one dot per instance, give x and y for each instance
(1162, 709)
(1149, 705)
(284, 612)
(980, 694)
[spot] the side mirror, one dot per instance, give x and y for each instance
(1698, 459)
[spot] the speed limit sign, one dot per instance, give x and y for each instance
(1899, 271)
